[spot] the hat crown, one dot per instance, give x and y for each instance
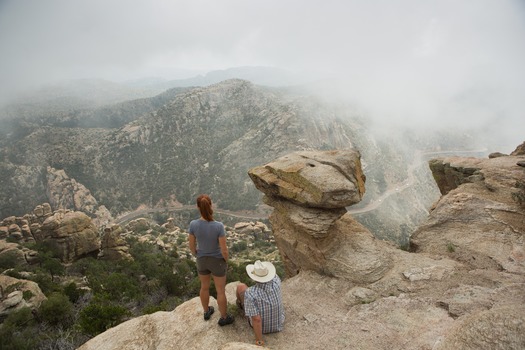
(261, 272)
(259, 269)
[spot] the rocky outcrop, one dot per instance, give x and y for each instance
(113, 246)
(350, 290)
(257, 230)
(16, 254)
(481, 191)
(66, 193)
(43, 211)
(16, 294)
(73, 234)
(519, 151)
(327, 180)
(309, 192)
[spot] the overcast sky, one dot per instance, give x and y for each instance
(405, 58)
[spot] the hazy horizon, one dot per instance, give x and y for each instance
(407, 63)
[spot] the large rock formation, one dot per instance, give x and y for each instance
(73, 234)
(66, 193)
(16, 255)
(350, 290)
(309, 192)
(114, 247)
(486, 192)
(16, 294)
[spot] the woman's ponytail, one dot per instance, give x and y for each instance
(204, 204)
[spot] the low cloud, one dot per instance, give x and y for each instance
(404, 62)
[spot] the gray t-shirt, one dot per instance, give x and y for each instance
(207, 234)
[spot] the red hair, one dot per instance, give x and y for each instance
(204, 204)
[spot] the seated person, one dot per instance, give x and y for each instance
(262, 303)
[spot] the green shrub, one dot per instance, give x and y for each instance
(8, 260)
(237, 272)
(72, 292)
(48, 248)
(19, 318)
(239, 246)
(47, 286)
(97, 318)
(121, 286)
(57, 309)
(27, 294)
(17, 331)
(90, 266)
(161, 217)
(262, 244)
(53, 266)
(14, 273)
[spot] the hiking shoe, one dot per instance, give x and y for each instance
(208, 313)
(226, 320)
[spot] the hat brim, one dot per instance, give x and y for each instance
(263, 279)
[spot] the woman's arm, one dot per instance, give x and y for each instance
(224, 247)
(193, 245)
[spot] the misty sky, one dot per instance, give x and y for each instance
(459, 60)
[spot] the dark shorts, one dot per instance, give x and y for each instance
(209, 264)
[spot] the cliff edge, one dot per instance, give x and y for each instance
(462, 286)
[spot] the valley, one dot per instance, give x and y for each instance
(158, 153)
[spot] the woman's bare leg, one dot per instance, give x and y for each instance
(220, 286)
(205, 291)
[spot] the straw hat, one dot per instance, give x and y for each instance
(261, 272)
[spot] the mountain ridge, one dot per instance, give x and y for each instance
(165, 150)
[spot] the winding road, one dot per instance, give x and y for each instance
(138, 213)
(419, 158)
(394, 189)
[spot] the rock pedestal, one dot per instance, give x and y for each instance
(309, 192)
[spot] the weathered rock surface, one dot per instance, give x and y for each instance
(331, 179)
(463, 288)
(481, 222)
(12, 295)
(315, 319)
(113, 246)
(16, 254)
(256, 229)
(66, 193)
(309, 191)
(519, 151)
(72, 233)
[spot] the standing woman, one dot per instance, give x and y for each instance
(208, 244)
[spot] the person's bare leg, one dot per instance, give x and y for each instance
(205, 291)
(241, 287)
(220, 286)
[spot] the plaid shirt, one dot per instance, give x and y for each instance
(265, 299)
